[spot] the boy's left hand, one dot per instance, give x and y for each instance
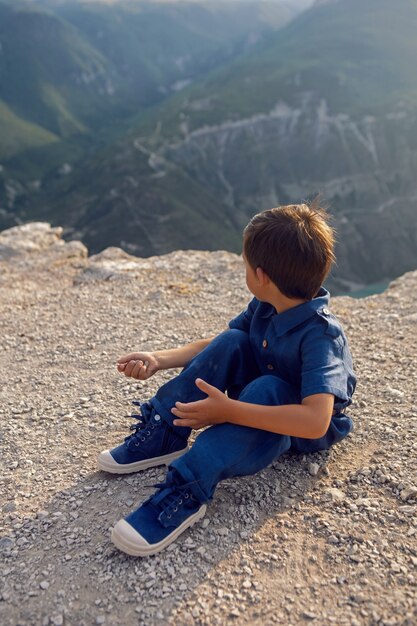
(211, 410)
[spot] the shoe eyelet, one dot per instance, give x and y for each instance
(175, 509)
(152, 426)
(142, 438)
(179, 501)
(186, 496)
(137, 444)
(169, 516)
(148, 432)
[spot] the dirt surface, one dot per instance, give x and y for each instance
(329, 538)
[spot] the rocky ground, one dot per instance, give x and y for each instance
(327, 539)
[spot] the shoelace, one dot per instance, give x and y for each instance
(170, 496)
(142, 428)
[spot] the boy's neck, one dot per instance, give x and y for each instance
(287, 303)
(282, 303)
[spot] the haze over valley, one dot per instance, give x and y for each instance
(160, 126)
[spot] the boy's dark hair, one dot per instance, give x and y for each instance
(294, 245)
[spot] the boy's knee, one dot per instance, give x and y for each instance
(231, 342)
(234, 338)
(270, 390)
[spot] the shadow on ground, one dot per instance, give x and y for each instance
(66, 571)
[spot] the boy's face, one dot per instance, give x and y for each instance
(251, 278)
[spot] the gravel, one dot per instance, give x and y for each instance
(327, 538)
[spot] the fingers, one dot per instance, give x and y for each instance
(132, 356)
(129, 368)
(133, 369)
(201, 384)
(206, 387)
(191, 423)
(189, 407)
(139, 370)
(186, 414)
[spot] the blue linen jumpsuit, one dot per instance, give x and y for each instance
(264, 358)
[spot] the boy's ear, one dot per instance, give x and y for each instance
(263, 278)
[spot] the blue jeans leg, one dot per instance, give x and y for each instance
(227, 450)
(227, 363)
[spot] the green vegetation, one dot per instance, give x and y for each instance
(126, 167)
(126, 202)
(69, 68)
(42, 64)
(18, 135)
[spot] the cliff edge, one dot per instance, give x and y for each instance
(328, 538)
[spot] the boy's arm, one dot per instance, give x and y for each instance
(142, 365)
(179, 357)
(309, 420)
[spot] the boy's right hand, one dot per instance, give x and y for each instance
(139, 365)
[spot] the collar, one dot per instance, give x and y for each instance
(283, 322)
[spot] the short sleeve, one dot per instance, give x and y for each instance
(323, 368)
(243, 321)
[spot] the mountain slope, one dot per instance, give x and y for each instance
(330, 107)
(359, 55)
(48, 74)
(159, 47)
(71, 67)
(150, 205)
(78, 70)
(17, 134)
(327, 105)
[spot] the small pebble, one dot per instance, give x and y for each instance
(313, 469)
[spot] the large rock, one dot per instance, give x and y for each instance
(115, 264)
(38, 239)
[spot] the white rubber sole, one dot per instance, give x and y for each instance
(107, 463)
(128, 540)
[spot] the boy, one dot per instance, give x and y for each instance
(284, 363)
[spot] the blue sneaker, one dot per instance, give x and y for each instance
(153, 442)
(160, 519)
